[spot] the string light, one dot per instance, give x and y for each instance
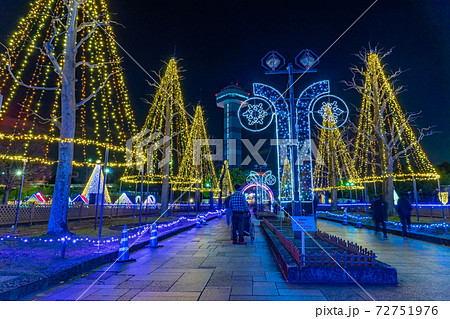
(379, 101)
(227, 187)
(334, 164)
(286, 181)
(197, 166)
(140, 230)
(168, 102)
(107, 120)
(392, 223)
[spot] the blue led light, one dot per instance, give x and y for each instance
(303, 127)
(141, 230)
(392, 223)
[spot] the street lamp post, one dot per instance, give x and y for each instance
(20, 193)
(273, 62)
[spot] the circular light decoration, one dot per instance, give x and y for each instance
(329, 112)
(266, 178)
(256, 114)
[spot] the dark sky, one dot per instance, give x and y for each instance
(221, 42)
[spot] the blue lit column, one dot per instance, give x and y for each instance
(273, 62)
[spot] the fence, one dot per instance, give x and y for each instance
(343, 259)
(352, 255)
(34, 213)
(342, 244)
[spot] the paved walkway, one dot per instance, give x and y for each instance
(202, 264)
(423, 268)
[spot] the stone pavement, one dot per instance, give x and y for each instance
(202, 264)
(422, 268)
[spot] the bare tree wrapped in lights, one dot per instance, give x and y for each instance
(386, 147)
(164, 136)
(62, 68)
(225, 181)
(197, 170)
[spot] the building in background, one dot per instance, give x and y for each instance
(230, 99)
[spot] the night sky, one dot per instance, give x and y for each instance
(221, 42)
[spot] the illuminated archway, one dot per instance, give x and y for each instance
(265, 187)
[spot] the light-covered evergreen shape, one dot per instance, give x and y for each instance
(286, 181)
(95, 185)
(197, 170)
(63, 87)
(386, 146)
(334, 165)
(225, 183)
(162, 142)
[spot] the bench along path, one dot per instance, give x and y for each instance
(202, 264)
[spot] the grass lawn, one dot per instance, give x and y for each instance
(20, 258)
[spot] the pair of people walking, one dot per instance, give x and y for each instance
(237, 207)
(404, 208)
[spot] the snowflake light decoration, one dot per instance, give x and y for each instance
(330, 111)
(266, 178)
(255, 114)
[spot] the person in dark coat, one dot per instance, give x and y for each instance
(228, 212)
(404, 213)
(379, 208)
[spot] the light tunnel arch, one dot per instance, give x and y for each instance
(265, 187)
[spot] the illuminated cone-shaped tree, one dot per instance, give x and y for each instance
(94, 186)
(386, 147)
(286, 181)
(334, 164)
(225, 182)
(61, 72)
(164, 137)
(197, 167)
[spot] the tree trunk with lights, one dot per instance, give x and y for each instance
(72, 42)
(385, 139)
(57, 223)
(166, 162)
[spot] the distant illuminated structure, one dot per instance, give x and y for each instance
(230, 99)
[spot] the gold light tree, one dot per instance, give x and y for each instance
(286, 181)
(386, 148)
(197, 170)
(225, 183)
(163, 140)
(334, 165)
(94, 186)
(105, 119)
(63, 86)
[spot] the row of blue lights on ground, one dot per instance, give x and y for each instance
(395, 224)
(436, 205)
(144, 228)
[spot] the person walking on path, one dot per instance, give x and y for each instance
(228, 212)
(404, 213)
(239, 207)
(379, 207)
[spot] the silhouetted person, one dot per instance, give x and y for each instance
(228, 212)
(379, 208)
(315, 205)
(404, 212)
(239, 207)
